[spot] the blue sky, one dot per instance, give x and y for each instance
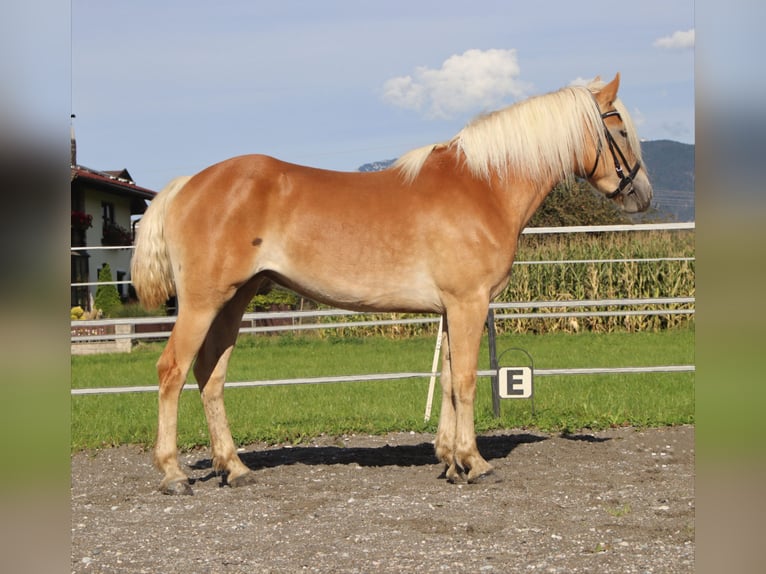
(168, 88)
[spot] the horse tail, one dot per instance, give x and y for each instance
(151, 269)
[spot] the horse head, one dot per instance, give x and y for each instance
(618, 170)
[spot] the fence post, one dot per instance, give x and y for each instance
(493, 362)
(123, 345)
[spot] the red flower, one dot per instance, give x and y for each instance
(81, 220)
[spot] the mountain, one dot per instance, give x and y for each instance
(377, 165)
(671, 169)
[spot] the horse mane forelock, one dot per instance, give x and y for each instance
(536, 138)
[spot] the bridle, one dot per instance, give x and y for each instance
(626, 181)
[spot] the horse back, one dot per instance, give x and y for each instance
(357, 240)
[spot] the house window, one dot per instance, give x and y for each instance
(80, 275)
(107, 213)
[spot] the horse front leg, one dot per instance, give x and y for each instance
(465, 329)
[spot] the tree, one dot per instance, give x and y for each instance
(576, 203)
(107, 297)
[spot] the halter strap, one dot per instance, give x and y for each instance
(598, 156)
(614, 149)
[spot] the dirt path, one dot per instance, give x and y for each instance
(615, 501)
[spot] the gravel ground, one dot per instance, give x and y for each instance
(615, 501)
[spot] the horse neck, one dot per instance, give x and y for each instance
(521, 197)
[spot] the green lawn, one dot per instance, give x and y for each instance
(292, 413)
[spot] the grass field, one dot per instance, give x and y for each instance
(293, 413)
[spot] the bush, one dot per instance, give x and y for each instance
(276, 298)
(107, 297)
(133, 310)
(576, 203)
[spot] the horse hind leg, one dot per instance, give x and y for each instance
(172, 368)
(210, 372)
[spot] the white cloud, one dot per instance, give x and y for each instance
(402, 91)
(469, 82)
(680, 40)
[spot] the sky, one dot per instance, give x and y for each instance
(167, 88)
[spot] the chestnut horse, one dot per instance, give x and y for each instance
(435, 233)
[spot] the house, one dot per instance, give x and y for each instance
(103, 206)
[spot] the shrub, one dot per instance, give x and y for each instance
(131, 310)
(107, 297)
(576, 203)
(275, 298)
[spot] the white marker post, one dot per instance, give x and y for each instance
(434, 365)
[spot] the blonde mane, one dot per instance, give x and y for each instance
(536, 138)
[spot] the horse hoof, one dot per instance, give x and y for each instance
(479, 476)
(176, 487)
(241, 480)
(453, 474)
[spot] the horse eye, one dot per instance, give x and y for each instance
(624, 133)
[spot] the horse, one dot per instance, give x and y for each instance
(436, 232)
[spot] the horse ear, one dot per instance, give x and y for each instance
(608, 94)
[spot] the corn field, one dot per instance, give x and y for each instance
(576, 275)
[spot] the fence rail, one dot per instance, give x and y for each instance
(688, 225)
(391, 377)
(297, 317)
(124, 330)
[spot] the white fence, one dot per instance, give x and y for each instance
(122, 332)
(297, 318)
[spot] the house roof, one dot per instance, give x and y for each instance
(116, 182)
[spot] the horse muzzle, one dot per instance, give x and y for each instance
(636, 195)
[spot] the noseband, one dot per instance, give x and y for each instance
(626, 181)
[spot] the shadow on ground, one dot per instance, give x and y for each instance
(491, 447)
